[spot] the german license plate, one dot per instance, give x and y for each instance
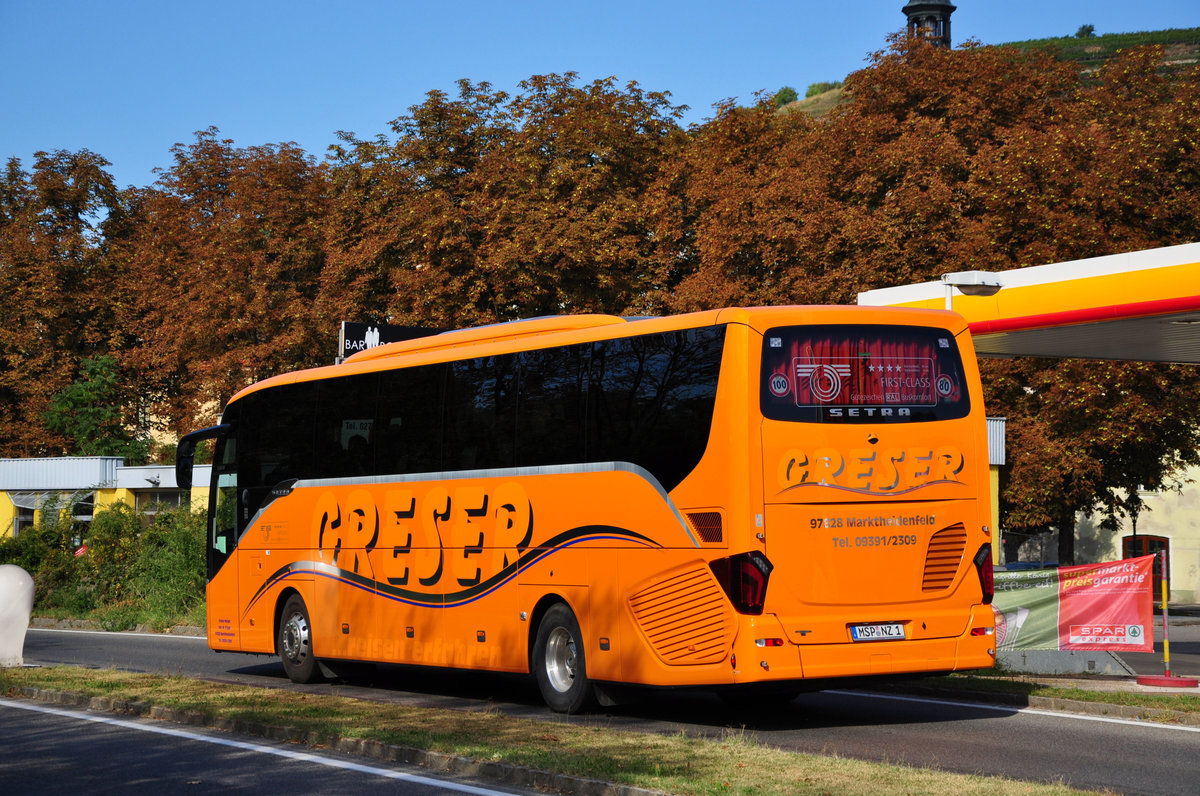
(889, 631)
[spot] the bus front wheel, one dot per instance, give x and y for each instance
(559, 665)
(294, 642)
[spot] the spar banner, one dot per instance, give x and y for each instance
(1107, 606)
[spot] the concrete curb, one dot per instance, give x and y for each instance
(437, 762)
(88, 624)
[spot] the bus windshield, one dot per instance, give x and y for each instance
(862, 374)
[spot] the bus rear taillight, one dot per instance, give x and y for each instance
(983, 565)
(744, 578)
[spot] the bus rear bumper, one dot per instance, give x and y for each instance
(974, 649)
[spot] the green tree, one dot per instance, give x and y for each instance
(785, 95)
(94, 412)
(1085, 32)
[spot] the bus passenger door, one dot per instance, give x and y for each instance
(222, 592)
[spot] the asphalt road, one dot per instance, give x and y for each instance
(48, 750)
(1185, 649)
(1027, 744)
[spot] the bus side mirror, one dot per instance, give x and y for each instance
(185, 452)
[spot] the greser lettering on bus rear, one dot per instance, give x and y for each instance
(871, 472)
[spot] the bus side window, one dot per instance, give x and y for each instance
(275, 435)
(550, 406)
(346, 426)
(651, 400)
(409, 425)
(480, 420)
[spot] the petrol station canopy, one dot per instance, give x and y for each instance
(1141, 305)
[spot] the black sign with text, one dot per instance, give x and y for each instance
(357, 337)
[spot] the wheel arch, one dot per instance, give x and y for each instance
(544, 603)
(280, 602)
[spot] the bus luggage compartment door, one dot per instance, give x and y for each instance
(855, 569)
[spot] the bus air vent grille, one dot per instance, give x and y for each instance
(945, 554)
(685, 617)
(709, 525)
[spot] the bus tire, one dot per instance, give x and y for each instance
(294, 642)
(559, 664)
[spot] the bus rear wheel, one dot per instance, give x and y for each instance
(559, 664)
(294, 642)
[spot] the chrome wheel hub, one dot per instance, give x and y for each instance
(560, 660)
(295, 639)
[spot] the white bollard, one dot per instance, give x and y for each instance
(16, 604)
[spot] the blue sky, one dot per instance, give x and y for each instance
(127, 79)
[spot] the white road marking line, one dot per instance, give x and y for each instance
(253, 747)
(1012, 709)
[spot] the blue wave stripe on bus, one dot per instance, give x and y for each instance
(563, 541)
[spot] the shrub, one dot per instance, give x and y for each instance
(169, 571)
(61, 581)
(135, 571)
(113, 544)
(27, 551)
(821, 88)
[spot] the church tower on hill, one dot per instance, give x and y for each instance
(930, 19)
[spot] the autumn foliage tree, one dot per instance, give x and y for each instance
(1087, 436)
(220, 262)
(400, 234)
(55, 278)
(1047, 165)
(572, 196)
(944, 160)
(881, 192)
(488, 207)
(977, 158)
(737, 213)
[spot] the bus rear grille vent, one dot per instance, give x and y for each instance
(685, 617)
(945, 554)
(708, 524)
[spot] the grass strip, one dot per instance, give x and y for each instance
(677, 764)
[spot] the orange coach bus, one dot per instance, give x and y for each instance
(771, 497)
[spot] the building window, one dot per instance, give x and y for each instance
(83, 509)
(22, 521)
(149, 503)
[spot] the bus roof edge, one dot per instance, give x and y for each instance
(509, 330)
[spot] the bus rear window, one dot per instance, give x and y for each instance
(862, 374)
